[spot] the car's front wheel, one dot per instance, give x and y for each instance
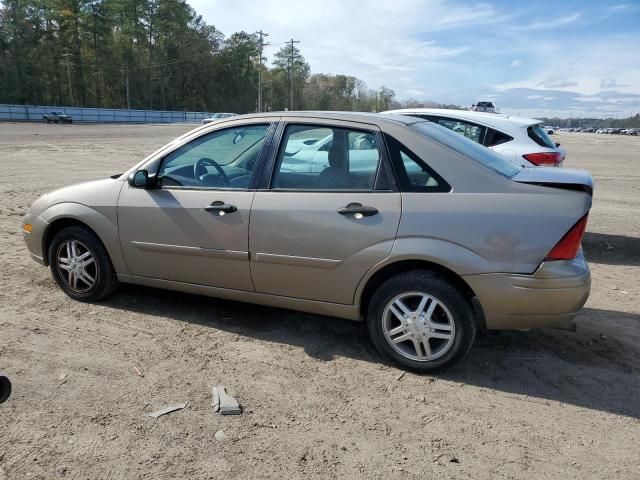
(421, 322)
(80, 265)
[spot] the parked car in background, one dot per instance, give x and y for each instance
(521, 140)
(218, 116)
(424, 234)
(487, 107)
(57, 117)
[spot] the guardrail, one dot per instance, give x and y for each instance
(29, 113)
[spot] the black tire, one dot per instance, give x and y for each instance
(101, 271)
(449, 298)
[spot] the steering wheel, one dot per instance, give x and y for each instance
(199, 170)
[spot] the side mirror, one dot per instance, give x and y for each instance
(139, 179)
(239, 136)
(557, 145)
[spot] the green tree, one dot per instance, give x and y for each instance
(291, 71)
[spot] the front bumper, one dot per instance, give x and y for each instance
(33, 239)
(550, 297)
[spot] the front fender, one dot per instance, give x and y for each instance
(103, 223)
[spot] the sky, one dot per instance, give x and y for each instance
(533, 58)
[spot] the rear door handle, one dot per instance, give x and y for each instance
(358, 210)
(221, 208)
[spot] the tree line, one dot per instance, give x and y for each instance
(156, 54)
(629, 122)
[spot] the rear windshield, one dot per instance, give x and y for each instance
(539, 135)
(468, 148)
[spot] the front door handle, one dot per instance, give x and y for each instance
(358, 210)
(220, 208)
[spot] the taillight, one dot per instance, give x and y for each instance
(567, 248)
(544, 158)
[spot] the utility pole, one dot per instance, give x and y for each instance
(125, 72)
(67, 57)
(291, 58)
(262, 45)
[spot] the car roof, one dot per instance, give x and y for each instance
(492, 119)
(360, 117)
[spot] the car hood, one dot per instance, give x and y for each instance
(94, 193)
(552, 176)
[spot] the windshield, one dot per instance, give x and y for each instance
(468, 148)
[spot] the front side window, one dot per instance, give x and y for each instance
(326, 158)
(221, 159)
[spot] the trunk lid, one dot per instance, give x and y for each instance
(565, 178)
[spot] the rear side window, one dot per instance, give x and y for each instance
(471, 130)
(414, 175)
(494, 137)
(538, 135)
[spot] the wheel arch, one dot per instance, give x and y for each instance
(74, 214)
(406, 265)
(57, 226)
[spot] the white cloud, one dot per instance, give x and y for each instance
(556, 81)
(444, 51)
(624, 8)
(381, 42)
(609, 83)
(551, 23)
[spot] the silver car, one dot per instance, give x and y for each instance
(218, 116)
(424, 234)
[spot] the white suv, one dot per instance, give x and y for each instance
(522, 140)
(488, 107)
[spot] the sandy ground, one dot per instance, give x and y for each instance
(319, 403)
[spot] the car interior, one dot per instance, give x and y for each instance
(346, 159)
(221, 159)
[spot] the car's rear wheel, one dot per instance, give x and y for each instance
(80, 265)
(421, 322)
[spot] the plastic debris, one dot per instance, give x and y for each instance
(223, 403)
(168, 409)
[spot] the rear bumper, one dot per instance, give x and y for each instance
(550, 297)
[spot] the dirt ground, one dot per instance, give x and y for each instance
(319, 402)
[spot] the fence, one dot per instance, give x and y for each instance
(28, 113)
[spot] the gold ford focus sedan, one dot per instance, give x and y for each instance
(424, 234)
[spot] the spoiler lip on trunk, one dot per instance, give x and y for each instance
(565, 178)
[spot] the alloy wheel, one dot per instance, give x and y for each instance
(418, 326)
(77, 266)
